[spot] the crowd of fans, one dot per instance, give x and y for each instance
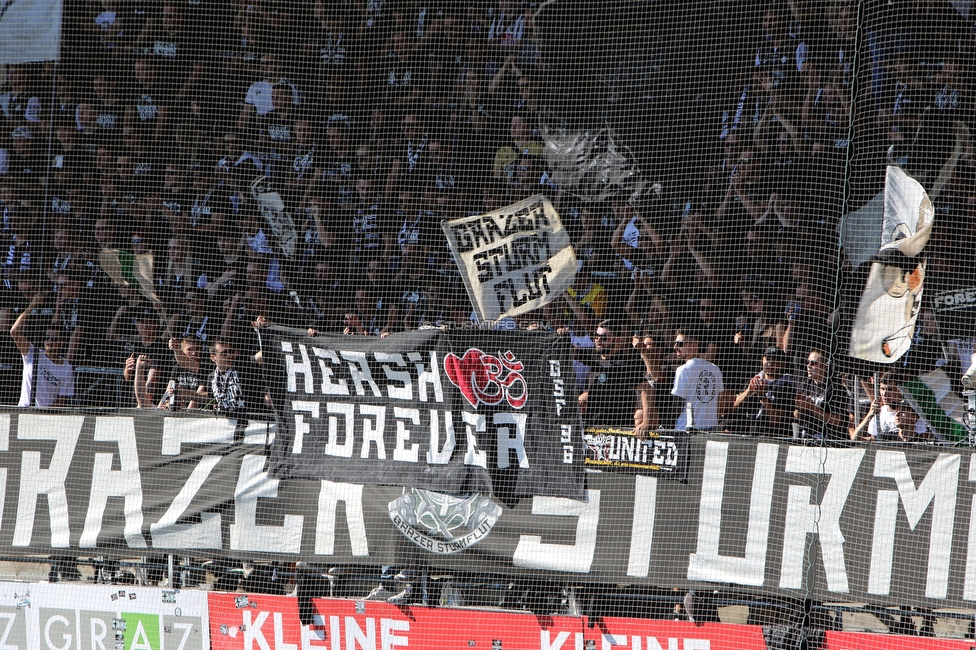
(715, 302)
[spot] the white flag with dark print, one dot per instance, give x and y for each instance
(514, 259)
(30, 30)
(272, 208)
(892, 297)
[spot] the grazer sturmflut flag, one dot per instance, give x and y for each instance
(514, 259)
(30, 30)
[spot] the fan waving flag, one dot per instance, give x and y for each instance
(30, 30)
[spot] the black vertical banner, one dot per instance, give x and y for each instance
(458, 412)
(955, 312)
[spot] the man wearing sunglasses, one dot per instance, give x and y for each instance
(822, 407)
(699, 383)
(610, 397)
(775, 364)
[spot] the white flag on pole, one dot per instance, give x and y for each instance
(885, 321)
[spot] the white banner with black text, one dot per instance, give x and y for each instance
(514, 259)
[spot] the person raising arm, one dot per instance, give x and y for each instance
(48, 380)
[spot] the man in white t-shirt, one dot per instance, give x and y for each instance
(699, 383)
(48, 380)
(894, 420)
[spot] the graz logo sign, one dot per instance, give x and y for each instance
(444, 524)
(487, 379)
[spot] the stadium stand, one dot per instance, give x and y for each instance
(710, 162)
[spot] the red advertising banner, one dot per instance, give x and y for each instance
(864, 641)
(258, 622)
(646, 634)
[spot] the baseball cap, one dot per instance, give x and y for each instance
(773, 353)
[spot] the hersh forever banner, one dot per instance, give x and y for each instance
(458, 412)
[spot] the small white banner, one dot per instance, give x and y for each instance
(30, 30)
(513, 260)
(272, 208)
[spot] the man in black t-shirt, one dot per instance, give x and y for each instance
(109, 109)
(146, 101)
(147, 355)
(775, 364)
(611, 385)
(823, 407)
(187, 380)
(367, 222)
(777, 402)
(176, 52)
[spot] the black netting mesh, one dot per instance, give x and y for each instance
(737, 236)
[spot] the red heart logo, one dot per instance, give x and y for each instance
(470, 374)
